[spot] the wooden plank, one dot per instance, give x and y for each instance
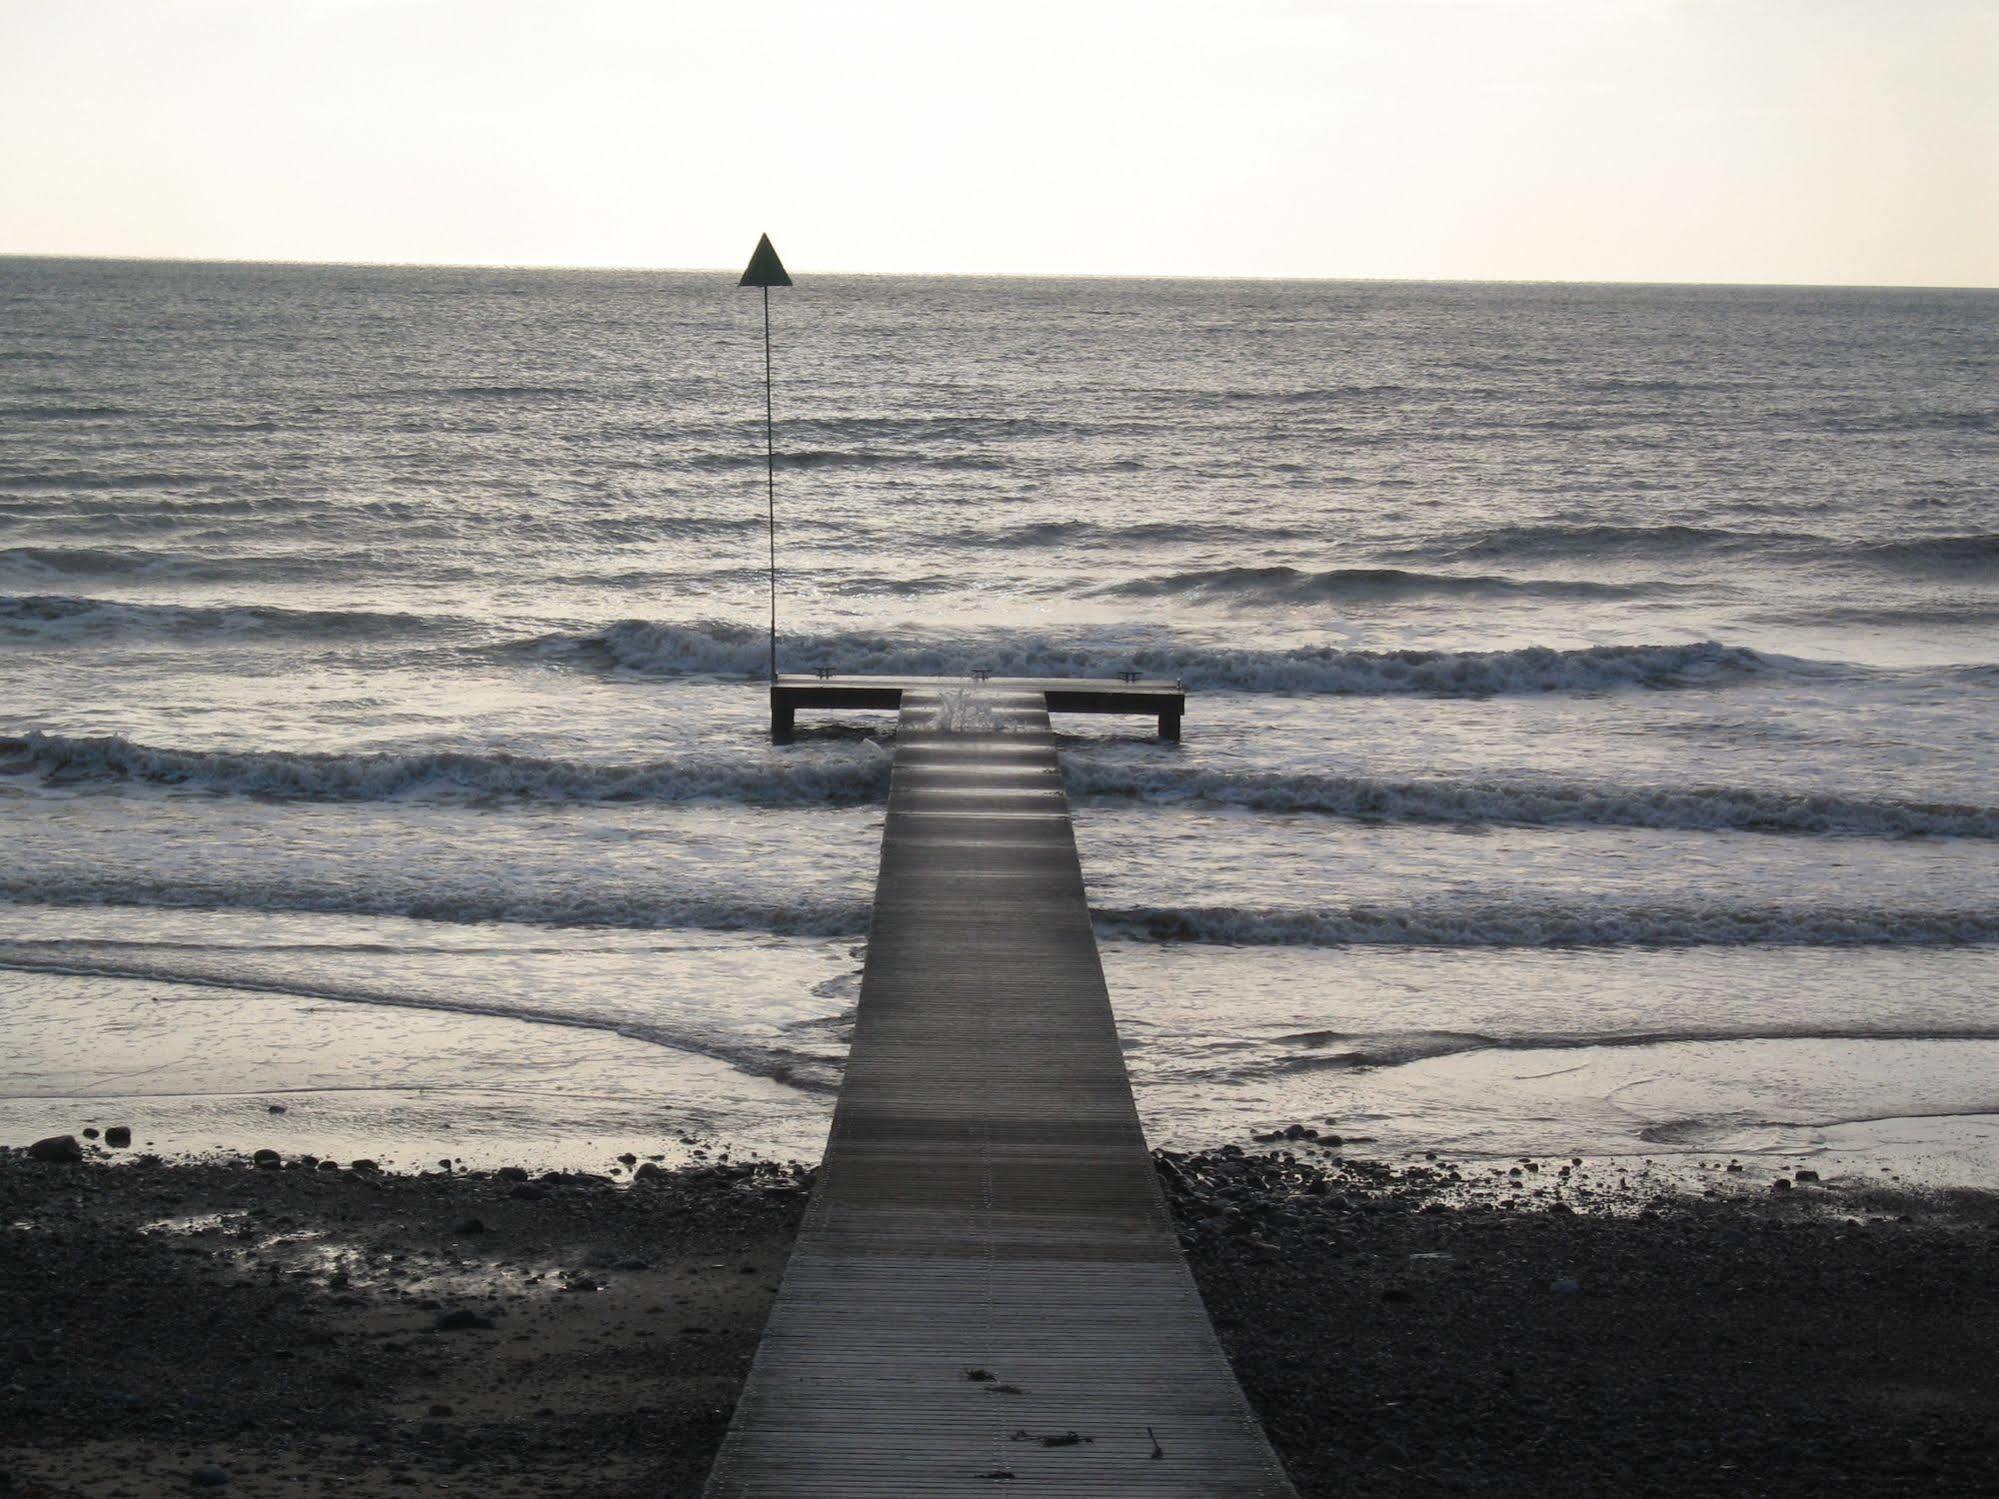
(987, 1259)
(1155, 697)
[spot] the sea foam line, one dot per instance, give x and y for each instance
(1341, 1051)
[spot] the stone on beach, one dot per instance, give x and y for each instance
(64, 1150)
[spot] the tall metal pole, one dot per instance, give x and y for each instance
(770, 485)
(766, 270)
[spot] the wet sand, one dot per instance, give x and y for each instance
(1430, 1329)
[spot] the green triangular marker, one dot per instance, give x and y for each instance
(765, 268)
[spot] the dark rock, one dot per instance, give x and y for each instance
(511, 1174)
(471, 1226)
(463, 1320)
(118, 1136)
(1805, 1176)
(364, 1167)
(1781, 1184)
(629, 1159)
(89, 1133)
(60, 1149)
(268, 1160)
(209, 1476)
(647, 1172)
(329, 1166)
(276, 1108)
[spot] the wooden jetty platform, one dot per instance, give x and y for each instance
(986, 1294)
(1154, 698)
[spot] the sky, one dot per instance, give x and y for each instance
(1792, 141)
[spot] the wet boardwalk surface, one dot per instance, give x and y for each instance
(986, 1295)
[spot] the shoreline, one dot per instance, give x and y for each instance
(1430, 1327)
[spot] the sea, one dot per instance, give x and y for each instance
(1591, 745)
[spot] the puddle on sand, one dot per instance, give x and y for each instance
(283, 1246)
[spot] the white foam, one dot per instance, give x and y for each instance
(709, 648)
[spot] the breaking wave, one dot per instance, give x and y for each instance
(1097, 534)
(814, 458)
(837, 774)
(439, 900)
(1496, 924)
(711, 648)
(1975, 551)
(1532, 803)
(1554, 540)
(1463, 924)
(52, 617)
(857, 771)
(1291, 585)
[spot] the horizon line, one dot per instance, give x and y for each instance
(662, 270)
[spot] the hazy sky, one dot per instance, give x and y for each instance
(1694, 140)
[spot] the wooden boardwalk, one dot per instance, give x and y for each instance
(1153, 698)
(986, 1295)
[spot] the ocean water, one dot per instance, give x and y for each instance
(1591, 748)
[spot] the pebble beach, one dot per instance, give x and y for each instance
(289, 1327)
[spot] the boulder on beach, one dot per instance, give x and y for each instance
(267, 1159)
(63, 1150)
(118, 1136)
